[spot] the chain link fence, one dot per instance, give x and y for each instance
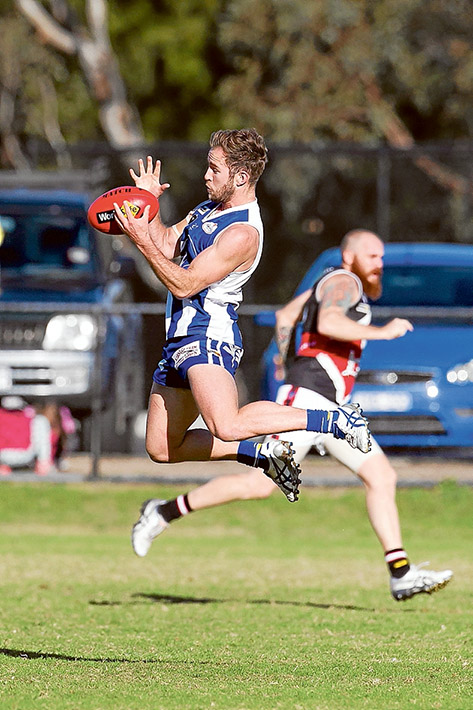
(310, 196)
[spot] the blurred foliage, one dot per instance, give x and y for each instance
(370, 72)
(168, 58)
(170, 62)
(297, 70)
(25, 65)
(306, 74)
(307, 70)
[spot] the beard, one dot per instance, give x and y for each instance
(372, 285)
(371, 280)
(222, 194)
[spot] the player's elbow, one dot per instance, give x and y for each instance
(183, 291)
(179, 293)
(324, 327)
(330, 325)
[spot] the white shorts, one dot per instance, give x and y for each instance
(303, 441)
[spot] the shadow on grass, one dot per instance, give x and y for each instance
(174, 599)
(33, 655)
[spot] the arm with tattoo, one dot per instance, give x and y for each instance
(286, 319)
(338, 295)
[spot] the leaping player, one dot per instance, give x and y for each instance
(218, 247)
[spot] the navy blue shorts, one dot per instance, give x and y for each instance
(179, 354)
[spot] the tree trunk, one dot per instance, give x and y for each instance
(119, 119)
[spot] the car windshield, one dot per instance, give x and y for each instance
(44, 239)
(442, 286)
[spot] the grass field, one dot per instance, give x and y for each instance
(254, 606)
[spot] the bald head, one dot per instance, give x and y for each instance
(359, 240)
(362, 253)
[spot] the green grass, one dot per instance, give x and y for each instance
(253, 606)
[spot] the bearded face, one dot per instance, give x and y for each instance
(370, 275)
(221, 193)
(218, 177)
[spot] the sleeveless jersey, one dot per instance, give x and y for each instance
(323, 364)
(212, 313)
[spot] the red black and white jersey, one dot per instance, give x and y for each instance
(326, 365)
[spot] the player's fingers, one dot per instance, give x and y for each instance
(405, 325)
(127, 207)
(119, 214)
(133, 174)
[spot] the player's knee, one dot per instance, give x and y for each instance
(255, 485)
(260, 486)
(158, 450)
(387, 475)
(391, 476)
(158, 455)
(378, 473)
(225, 431)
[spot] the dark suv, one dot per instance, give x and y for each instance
(60, 336)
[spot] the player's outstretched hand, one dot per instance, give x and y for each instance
(396, 328)
(149, 177)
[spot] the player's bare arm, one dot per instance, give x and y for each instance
(149, 178)
(235, 250)
(338, 295)
(286, 319)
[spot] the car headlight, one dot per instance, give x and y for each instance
(70, 332)
(461, 373)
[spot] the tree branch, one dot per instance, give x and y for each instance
(119, 119)
(398, 136)
(50, 31)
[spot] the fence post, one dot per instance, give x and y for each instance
(96, 416)
(383, 189)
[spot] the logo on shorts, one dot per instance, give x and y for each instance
(185, 352)
(235, 352)
(209, 227)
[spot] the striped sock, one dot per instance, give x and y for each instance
(176, 508)
(397, 562)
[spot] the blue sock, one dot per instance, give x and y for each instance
(320, 420)
(249, 454)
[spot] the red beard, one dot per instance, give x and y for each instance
(373, 289)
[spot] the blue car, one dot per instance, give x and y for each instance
(417, 391)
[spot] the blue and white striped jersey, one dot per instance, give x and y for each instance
(211, 313)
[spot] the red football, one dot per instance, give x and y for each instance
(101, 213)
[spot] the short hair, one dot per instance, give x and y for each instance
(244, 149)
(353, 235)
